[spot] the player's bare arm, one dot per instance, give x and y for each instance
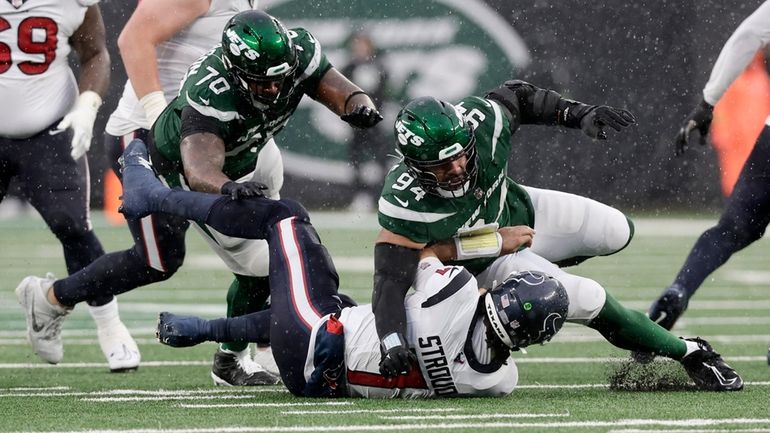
(203, 156)
(153, 22)
(89, 42)
(347, 100)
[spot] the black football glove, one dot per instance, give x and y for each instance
(593, 123)
(700, 119)
(362, 117)
(244, 189)
(396, 356)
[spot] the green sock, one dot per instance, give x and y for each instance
(633, 330)
(245, 295)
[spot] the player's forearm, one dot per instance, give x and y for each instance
(203, 157)
(750, 36)
(394, 269)
(529, 104)
(95, 74)
(141, 66)
(337, 93)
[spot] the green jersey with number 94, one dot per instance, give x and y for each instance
(406, 210)
(245, 129)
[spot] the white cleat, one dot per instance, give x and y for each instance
(44, 320)
(264, 357)
(116, 342)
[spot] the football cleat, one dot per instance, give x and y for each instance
(142, 190)
(709, 371)
(264, 357)
(116, 342)
(44, 319)
(238, 369)
(181, 331)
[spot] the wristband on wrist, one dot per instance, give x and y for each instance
(154, 103)
(394, 339)
(354, 93)
(480, 245)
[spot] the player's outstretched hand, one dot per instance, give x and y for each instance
(181, 331)
(244, 189)
(700, 119)
(396, 356)
(594, 122)
(516, 238)
(362, 117)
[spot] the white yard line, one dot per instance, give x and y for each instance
(692, 422)
(475, 416)
(320, 403)
(367, 411)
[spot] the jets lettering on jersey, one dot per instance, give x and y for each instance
(406, 136)
(436, 365)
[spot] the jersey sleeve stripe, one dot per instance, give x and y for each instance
(314, 62)
(223, 116)
(390, 210)
(498, 126)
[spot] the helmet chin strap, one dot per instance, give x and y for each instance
(459, 192)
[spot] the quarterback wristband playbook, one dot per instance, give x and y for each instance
(483, 241)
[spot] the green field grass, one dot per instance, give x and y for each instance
(562, 385)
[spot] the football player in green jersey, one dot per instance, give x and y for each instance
(451, 190)
(217, 136)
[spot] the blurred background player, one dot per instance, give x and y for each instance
(367, 146)
(216, 136)
(747, 212)
(46, 130)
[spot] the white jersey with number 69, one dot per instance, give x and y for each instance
(37, 86)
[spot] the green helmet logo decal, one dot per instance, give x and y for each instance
(237, 47)
(405, 136)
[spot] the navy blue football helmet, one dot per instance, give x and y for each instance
(527, 308)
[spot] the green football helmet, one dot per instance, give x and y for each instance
(258, 52)
(430, 133)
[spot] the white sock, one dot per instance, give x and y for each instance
(692, 346)
(106, 314)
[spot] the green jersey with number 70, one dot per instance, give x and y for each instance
(245, 129)
(407, 210)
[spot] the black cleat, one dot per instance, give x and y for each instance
(142, 190)
(239, 369)
(181, 331)
(709, 371)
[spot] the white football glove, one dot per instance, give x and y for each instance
(81, 120)
(154, 103)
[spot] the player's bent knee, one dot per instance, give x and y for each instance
(287, 208)
(65, 227)
(586, 298)
(618, 233)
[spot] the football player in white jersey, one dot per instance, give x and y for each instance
(325, 345)
(47, 126)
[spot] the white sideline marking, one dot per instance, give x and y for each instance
(323, 403)
(104, 364)
(356, 411)
(169, 397)
(33, 388)
(693, 422)
(193, 392)
(476, 416)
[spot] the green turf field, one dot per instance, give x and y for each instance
(562, 386)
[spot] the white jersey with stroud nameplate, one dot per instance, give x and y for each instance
(37, 86)
(454, 359)
(174, 58)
